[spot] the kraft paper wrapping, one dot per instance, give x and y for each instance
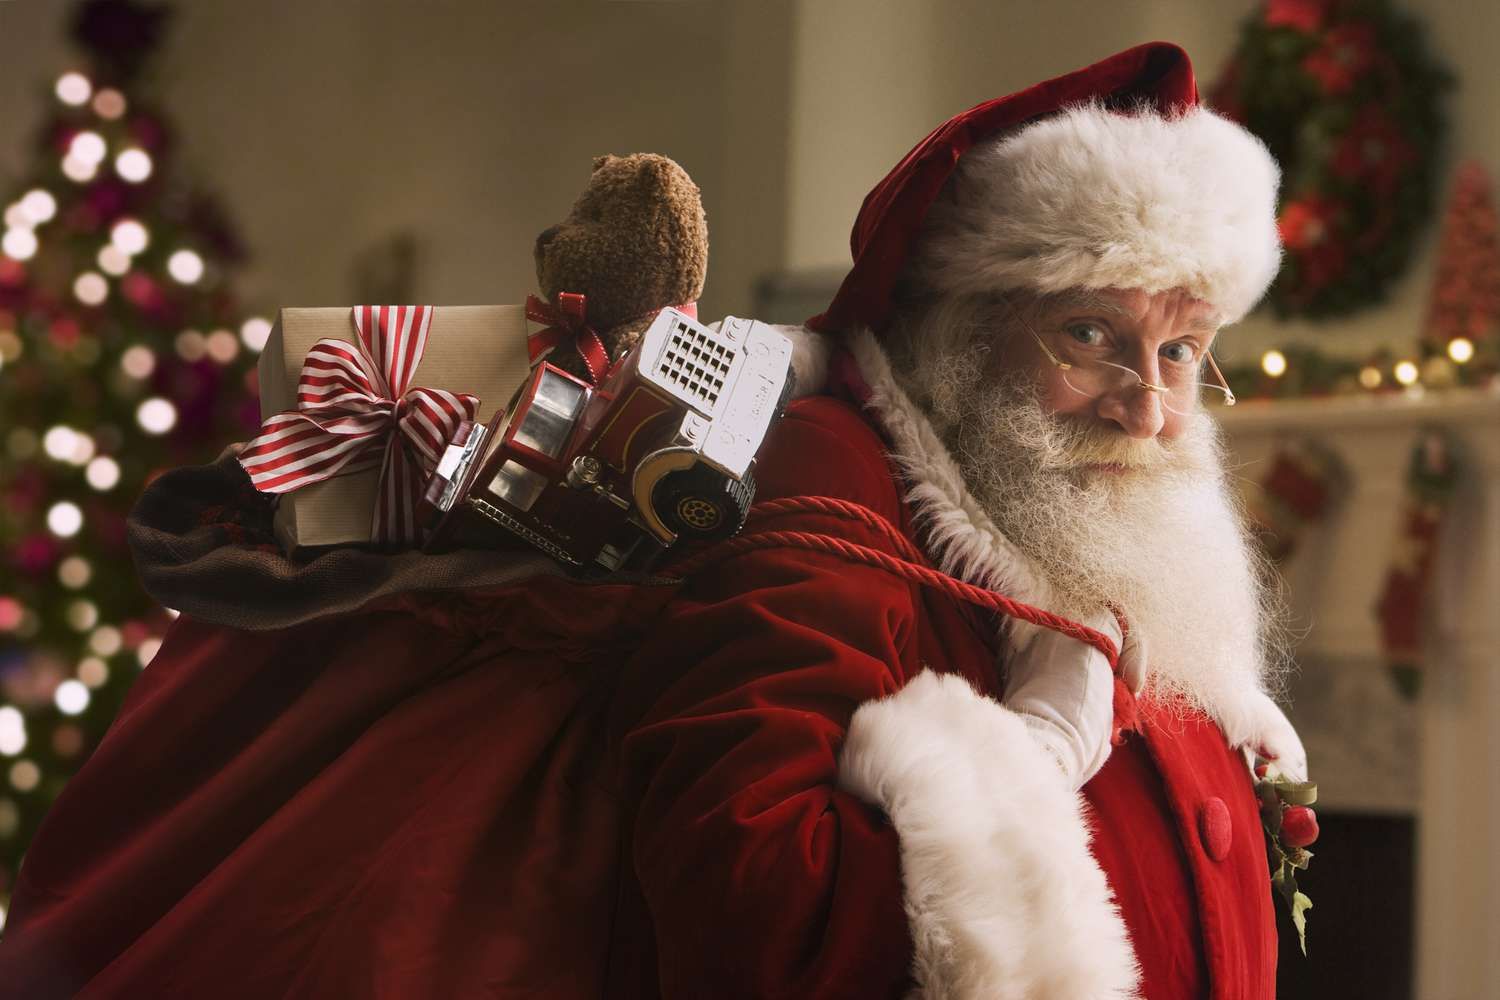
(480, 350)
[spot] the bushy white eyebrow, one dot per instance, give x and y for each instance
(1089, 300)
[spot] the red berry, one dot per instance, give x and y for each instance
(1299, 826)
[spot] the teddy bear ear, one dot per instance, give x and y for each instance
(600, 161)
(657, 172)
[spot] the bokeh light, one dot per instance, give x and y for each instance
(190, 345)
(71, 697)
(79, 171)
(19, 243)
(73, 89)
(39, 206)
(93, 671)
(185, 266)
(59, 441)
(133, 164)
(130, 236)
(112, 260)
(138, 361)
(223, 346)
(255, 332)
(102, 473)
(87, 147)
(25, 775)
(1461, 350)
(91, 288)
(82, 615)
(156, 415)
(12, 730)
(109, 104)
(74, 572)
(106, 640)
(64, 519)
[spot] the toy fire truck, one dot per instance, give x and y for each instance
(602, 476)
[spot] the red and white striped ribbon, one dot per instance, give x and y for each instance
(355, 411)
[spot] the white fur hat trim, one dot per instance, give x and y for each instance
(1090, 198)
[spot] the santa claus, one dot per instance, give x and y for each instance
(805, 763)
(845, 784)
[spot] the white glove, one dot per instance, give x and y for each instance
(1273, 738)
(1064, 691)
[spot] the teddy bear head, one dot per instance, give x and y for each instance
(635, 241)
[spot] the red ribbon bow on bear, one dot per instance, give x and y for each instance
(356, 409)
(566, 319)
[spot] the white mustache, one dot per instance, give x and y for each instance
(1077, 443)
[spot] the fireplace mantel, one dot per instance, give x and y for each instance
(1370, 750)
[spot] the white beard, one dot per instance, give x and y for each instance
(1162, 541)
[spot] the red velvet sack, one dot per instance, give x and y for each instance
(408, 801)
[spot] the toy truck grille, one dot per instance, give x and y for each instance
(695, 363)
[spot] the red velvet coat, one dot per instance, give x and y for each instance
(796, 784)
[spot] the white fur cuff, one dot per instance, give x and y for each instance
(1003, 897)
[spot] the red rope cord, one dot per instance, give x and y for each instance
(905, 568)
(842, 508)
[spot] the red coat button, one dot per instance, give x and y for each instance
(1214, 828)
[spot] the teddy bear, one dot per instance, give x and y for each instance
(635, 242)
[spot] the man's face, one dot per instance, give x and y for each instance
(1162, 336)
(1115, 500)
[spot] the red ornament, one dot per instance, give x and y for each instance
(1299, 826)
(64, 332)
(1302, 15)
(1307, 222)
(1347, 53)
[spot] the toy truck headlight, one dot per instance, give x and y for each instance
(548, 420)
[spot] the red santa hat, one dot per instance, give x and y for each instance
(1108, 177)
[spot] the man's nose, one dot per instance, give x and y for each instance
(1136, 410)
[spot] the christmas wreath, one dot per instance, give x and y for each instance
(1347, 98)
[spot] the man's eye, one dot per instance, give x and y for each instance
(1084, 334)
(1178, 353)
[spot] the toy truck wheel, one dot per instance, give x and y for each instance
(702, 503)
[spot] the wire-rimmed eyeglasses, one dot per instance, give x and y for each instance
(1095, 377)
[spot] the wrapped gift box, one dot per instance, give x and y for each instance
(480, 350)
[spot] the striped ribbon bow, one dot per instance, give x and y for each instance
(355, 411)
(566, 320)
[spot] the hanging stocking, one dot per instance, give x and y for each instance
(1429, 487)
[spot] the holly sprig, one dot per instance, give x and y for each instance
(1278, 795)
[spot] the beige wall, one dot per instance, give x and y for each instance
(480, 132)
(327, 125)
(863, 97)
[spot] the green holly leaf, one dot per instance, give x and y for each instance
(1300, 905)
(1299, 857)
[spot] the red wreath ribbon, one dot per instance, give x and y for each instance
(356, 409)
(566, 319)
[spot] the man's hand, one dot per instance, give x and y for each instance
(1064, 690)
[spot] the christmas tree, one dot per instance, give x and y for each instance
(122, 353)
(1465, 300)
